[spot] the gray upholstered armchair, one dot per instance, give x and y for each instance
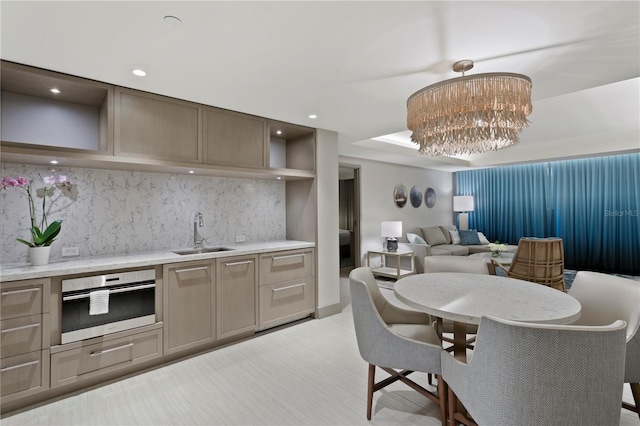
(539, 374)
(393, 338)
(605, 298)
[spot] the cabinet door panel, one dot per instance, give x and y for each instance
(236, 295)
(24, 374)
(284, 302)
(22, 298)
(92, 360)
(233, 139)
(156, 126)
(21, 335)
(286, 266)
(189, 305)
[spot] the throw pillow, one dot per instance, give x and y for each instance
(455, 237)
(483, 239)
(434, 236)
(469, 238)
(445, 231)
(415, 239)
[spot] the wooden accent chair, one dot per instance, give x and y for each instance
(530, 374)
(393, 338)
(605, 298)
(539, 260)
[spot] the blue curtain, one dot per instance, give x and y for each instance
(510, 202)
(593, 204)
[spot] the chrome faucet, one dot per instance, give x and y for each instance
(197, 220)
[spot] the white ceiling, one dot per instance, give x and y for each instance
(355, 63)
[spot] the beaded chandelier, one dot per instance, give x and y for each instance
(469, 114)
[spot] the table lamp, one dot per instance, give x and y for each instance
(391, 230)
(463, 204)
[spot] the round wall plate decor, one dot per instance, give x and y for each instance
(430, 197)
(415, 196)
(400, 195)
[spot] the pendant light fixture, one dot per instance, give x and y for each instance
(469, 114)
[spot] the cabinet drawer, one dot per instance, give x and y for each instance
(92, 360)
(24, 374)
(21, 335)
(286, 266)
(19, 300)
(283, 302)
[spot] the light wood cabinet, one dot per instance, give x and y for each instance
(291, 147)
(77, 118)
(159, 127)
(287, 287)
(189, 305)
(234, 139)
(24, 322)
(87, 361)
(236, 295)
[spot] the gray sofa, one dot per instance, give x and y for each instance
(439, 243)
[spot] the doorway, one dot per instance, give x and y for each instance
(349, 216)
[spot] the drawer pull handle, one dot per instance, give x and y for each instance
(289, 256)
(200, 268)
(26, 290)
(288, 287)
(246, 262)
(106, 351)
(15, 367)
(24, 327)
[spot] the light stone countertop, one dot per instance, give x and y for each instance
(24, 271)
(467, 297)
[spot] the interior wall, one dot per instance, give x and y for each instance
(328, 268)
(378, 181)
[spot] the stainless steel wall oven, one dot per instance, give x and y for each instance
(104, 304)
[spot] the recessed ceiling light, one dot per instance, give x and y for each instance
(313, 116)
(191, 172)
(54, 90)
(172, 20)
(53, 162)
(279, 178)
(139, 72)
(278, 132)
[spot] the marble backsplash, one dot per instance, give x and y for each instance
(111, 212)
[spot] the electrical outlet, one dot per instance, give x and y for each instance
(240, 239)
(70, 251)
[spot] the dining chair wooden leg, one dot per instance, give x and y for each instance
(372, 376)
(442, 394)
(635, 391)
(452, 401)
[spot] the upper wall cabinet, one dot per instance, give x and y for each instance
(234, 139)
(55, 110)
(159, 127)
(291, 147)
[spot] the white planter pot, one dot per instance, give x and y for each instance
(39, 255)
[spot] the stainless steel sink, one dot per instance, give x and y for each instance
(201, 250)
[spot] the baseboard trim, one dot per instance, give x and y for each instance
(327, 311)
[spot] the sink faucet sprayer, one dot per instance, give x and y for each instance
(197, 220)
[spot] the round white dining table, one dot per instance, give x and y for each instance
(465, 298)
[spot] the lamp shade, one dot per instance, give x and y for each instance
(463, 203)
(391, 229)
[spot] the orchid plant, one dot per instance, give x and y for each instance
(42, 233)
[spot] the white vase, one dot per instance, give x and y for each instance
(39, 255)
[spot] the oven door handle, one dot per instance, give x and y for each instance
(117, 290)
